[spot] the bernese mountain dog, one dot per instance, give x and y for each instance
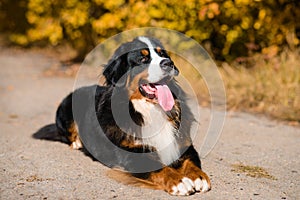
(141, 110)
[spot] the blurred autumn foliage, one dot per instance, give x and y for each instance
(263, 34)
(229, 29)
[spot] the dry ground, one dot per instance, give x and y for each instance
(255, 158)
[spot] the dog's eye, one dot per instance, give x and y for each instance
(159, 51)
(144, 52)
(161, 54)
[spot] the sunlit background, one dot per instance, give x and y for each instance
(254, 42)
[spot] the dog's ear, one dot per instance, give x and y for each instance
(115, 69)
(117, 66)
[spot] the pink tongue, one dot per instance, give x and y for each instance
(164, 97)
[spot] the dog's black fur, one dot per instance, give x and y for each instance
(89, 112)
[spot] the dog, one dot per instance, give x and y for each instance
(142, 110)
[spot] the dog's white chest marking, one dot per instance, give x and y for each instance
(157, 130)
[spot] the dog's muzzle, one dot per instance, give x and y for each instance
(168, 66)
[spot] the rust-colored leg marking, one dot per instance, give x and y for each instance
(74, 137)
(166, 179)
(193, 172)
(185, 180)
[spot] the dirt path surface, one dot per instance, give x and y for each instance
(35, 169)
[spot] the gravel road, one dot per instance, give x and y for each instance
(255, 158)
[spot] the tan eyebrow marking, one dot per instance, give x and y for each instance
(145, 52)
(158, 49)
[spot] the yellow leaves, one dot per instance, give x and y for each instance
(49, 17)
(214, 7)
(38, 6)
(262, 14)
(231, 9)
(70, 3)
(110, 5)
(77, 16)
(155, 13)
(232, 35)
(261, 19)
(246, 23)
(47, 28)
(107, 20)
(223, 29)
(210, 11)
(228, 4)
(19, 39)
(257, 25)
(225, 23)
(55, 32)
(243, 2)
(271, 51)
(139, 15)
(32, 17)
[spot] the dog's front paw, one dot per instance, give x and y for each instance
(188, 186)
(199, 178)
(201, 185)
(77, 144)
(185, 187)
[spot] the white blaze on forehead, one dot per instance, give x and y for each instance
(155, 72)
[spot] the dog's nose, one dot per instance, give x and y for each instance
(168, 66)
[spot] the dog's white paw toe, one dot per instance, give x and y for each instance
(184, 188)
(201, 185)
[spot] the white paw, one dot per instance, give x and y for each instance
(76, 144)
(184, 188)
(201, 185)
(187, 187)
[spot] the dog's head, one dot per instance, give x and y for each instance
(145, 69)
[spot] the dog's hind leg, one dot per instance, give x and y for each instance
(66, 125)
